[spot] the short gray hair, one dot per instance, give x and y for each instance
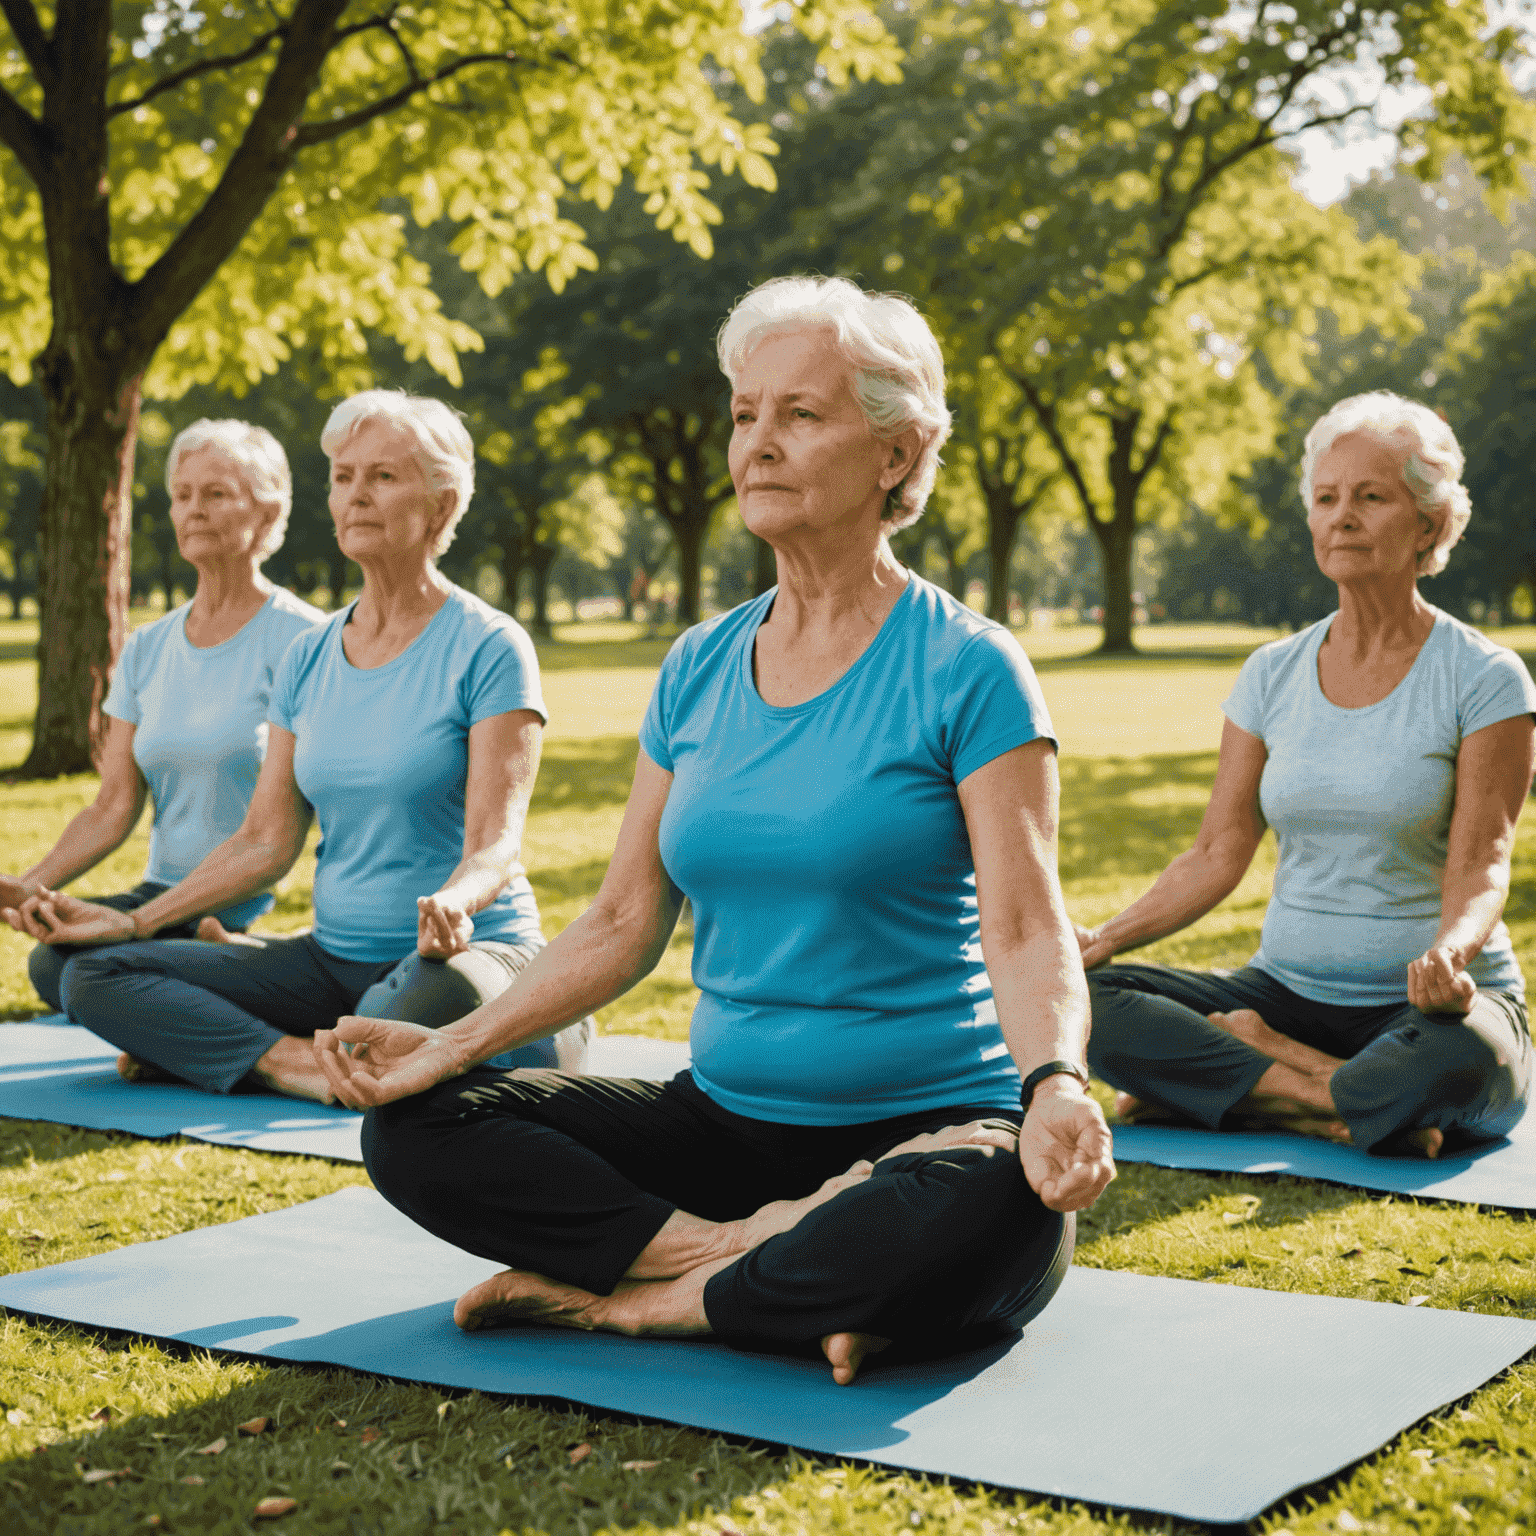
(441, 444)
(898, 370)
(1432, 461)
(263, 466)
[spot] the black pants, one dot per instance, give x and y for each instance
(572, 1177)
(1469, 1075)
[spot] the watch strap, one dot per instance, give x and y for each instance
(1049, 1069)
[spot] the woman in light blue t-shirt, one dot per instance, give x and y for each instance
(410, 723)
(1390, 748)
(185, 719)
(885, 1130)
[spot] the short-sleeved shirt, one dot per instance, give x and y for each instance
(200, 728)
(382, 754)
(1361, 802)
(837, 945)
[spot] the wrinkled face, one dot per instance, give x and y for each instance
(212, 510)
(381, 503)
(1364, 521)
(802, 456)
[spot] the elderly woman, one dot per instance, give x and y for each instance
(411, 722)
(186, 715)
(1390, 747)
(852, 780)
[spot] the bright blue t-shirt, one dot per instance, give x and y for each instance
(199, 715)
(1361, 803)
(837, 945)
(382, 754)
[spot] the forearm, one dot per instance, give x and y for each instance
(84, 843)
(1190, 886)
(1041, 996)
(483, 875)
(236, 869)
(1471, 904)
(599, 957)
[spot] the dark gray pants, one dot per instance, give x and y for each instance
(1469, 1075)
(45, 965)
(209, 1012)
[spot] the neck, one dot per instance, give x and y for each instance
(1381, 616)
(396, 591)
(230, 585)
(824, 582)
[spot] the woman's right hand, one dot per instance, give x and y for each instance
(388, 1060)
(14, 890)
(51, 917)
(1093, 947)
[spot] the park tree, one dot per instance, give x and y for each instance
(190, 195)
(1096, 201)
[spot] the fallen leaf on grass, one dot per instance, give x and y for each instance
(370, 1434)
(31, 1237)
(1408, 1269)
(271, 1508)
(338, 1423)
(16, 1416)
(102, 1414)
(102, 1474)
(1352, 1253)
(1250, 1209)
(253, 1426)
(580, 1453)
(444, 1408)
(639, 1466)
(1348, 1522)
(193, 1482)
(214, 1449)
(154, 1522)
(1417, 1301)
(338, 1467)
(1461, 1511)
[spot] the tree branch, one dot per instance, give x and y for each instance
(34, 43)
(23, 135)
(1046, 416)
(179, 77)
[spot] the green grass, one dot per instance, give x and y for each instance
(364, 1455)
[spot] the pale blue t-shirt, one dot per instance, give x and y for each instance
(837, 947)
(382, 754)
(200, 729)
(1361, 802)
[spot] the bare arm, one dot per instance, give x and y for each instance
(1493, 777)
(613, 944)
(269, 840)
(1010, 807)
(1229, 836)
(503, 763)
(103, 826)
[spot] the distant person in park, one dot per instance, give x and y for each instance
(886, 1129)
(1390, 747)
(185, 718)
(411, 724)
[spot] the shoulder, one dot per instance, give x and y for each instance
(1481, 666)
(144, 645)
(476, 626)
(290, 611)
(309, 641)
(1277, 660)
(953, 640)
(701, 646)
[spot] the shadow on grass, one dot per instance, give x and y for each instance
(603, 655)
(41, 1141)
(585, 775)
(1129, 816)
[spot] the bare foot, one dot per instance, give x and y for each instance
(1429, 1141)
(518, 1296)
(289, 1067)
(845, 1353)
(780, 1215)
(1275, 1112)
(1129, 1107)
(1247, 1025)
(132, 1070)
(211, 931)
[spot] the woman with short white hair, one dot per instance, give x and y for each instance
(411, 724)
(184, 720)
(1390, 747)
(885, 1130)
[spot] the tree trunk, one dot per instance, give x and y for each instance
(1116, 541)
(1003, 520)
(765, 566)
(85, 547)
(511, 580)
(540, 563)
(689, 537)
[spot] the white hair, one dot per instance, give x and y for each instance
(1432, 461)
(898, 370)
(441, 444)
(263, 466)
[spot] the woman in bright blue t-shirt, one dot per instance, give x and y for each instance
(184, 722)
(852, 780)
(410, 724)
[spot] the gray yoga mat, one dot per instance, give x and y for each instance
(53, 1070)
(1131, 1391)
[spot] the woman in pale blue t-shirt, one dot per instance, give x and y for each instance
(1390, 747)
(185, 718)
(885, 1130)
(410, 724)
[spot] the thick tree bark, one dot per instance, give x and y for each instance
(1116, 540)
(511, 565)
(1003, 519)
(689, 537)
(540, 559)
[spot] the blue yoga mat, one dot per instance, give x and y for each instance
(53, 1070)
(1130, 1391)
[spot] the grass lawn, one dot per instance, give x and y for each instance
(358, 1454)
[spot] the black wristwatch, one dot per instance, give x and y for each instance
(1050, 1069)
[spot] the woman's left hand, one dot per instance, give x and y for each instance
(1436, 984)
(444, 926)
(51, 917)
(1065, 1147)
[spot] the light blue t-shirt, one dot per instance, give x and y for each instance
(1361, 802)
(837, 947)
(382, 754)
(200, 729)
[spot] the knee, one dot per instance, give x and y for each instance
(45, 970)
(84, 978)
(390, 1149)
(420, 991)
